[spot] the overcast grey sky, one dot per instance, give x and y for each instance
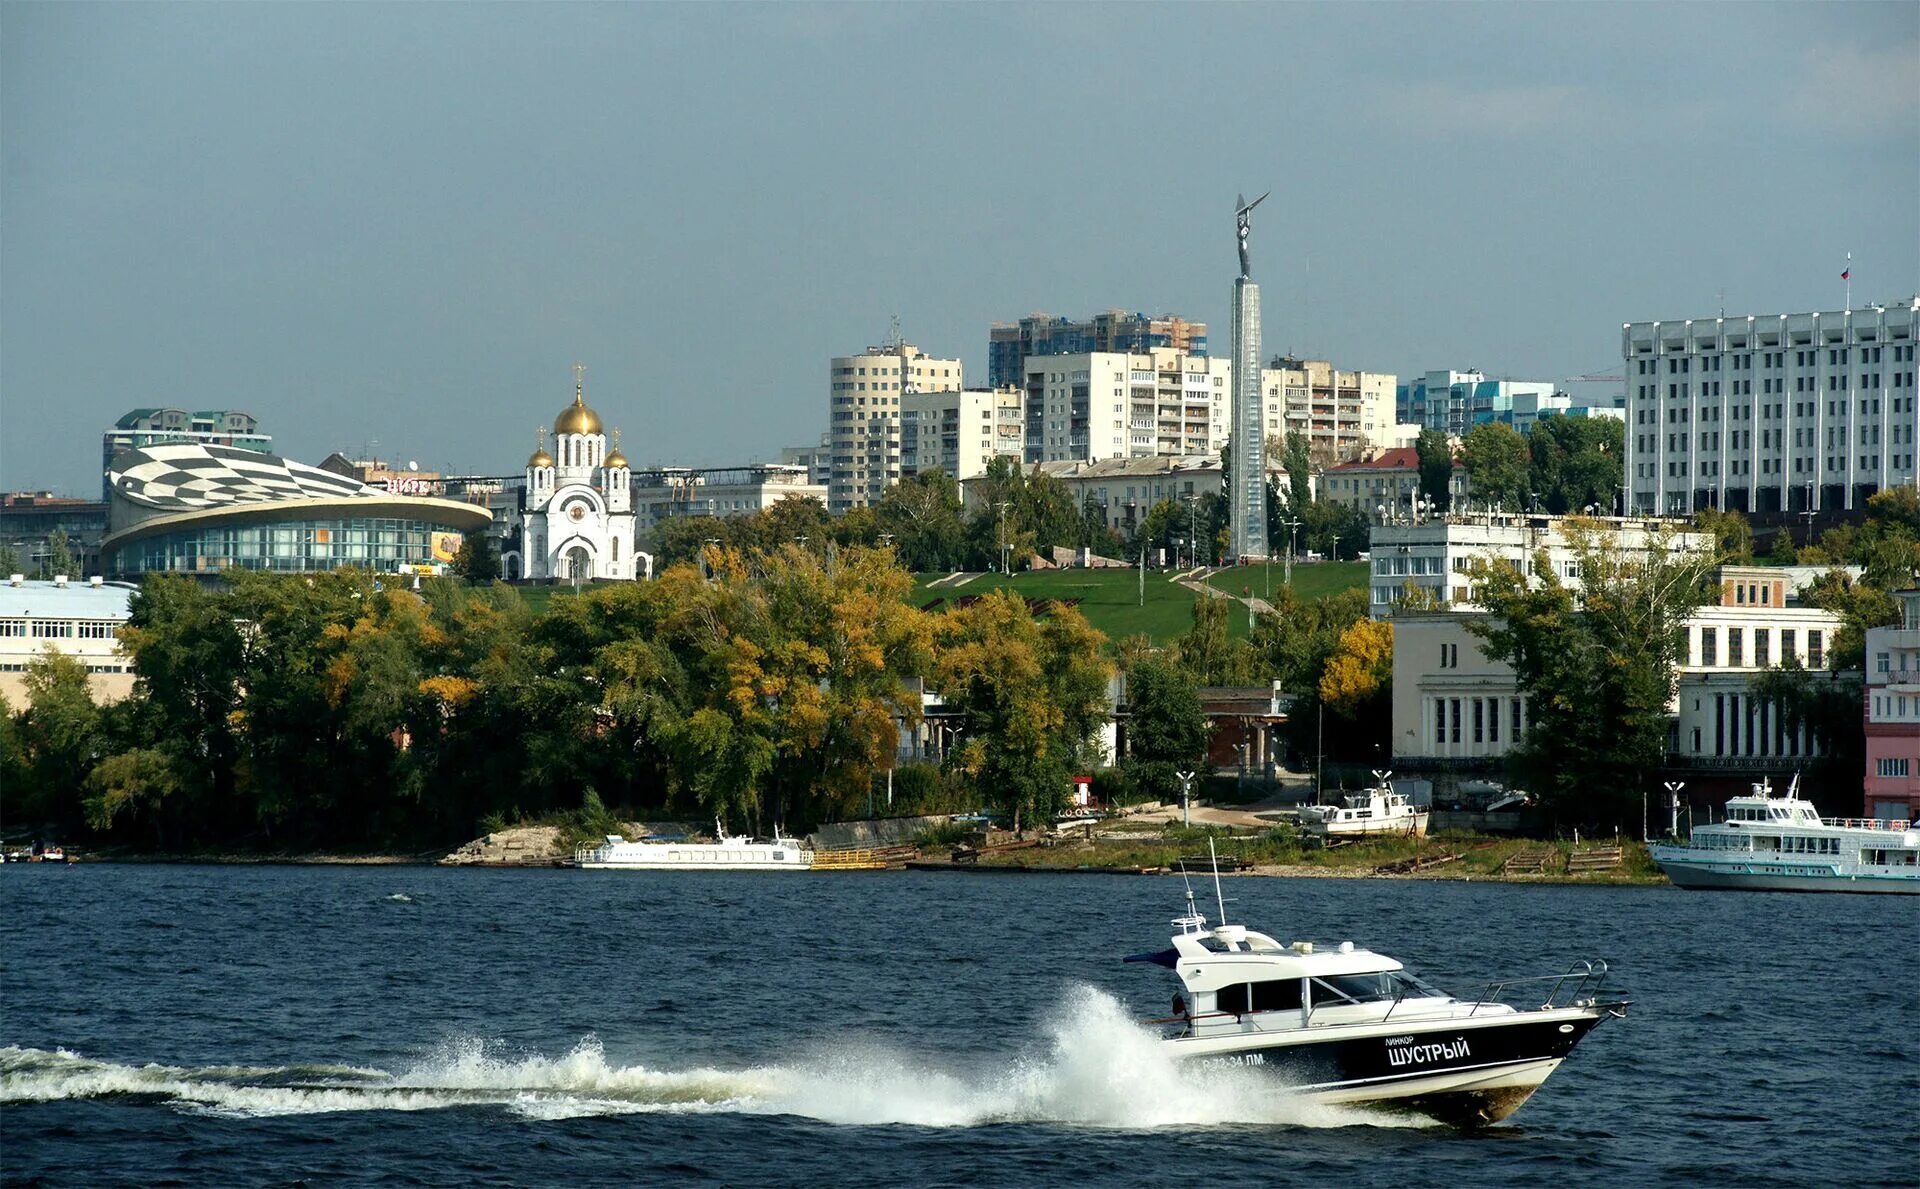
(405, 223)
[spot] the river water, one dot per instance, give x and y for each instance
(183, 1025)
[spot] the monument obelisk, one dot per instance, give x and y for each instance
(1249, 495)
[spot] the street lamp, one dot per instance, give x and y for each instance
(1186, 797)
(1002, 505)
(1673, 808)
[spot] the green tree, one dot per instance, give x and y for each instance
(61, 737)
(9, 561)
(1166, 727)
(1861, 606)
(1827, 706)
(1577, 463)
(1299, 468)
(1436, 467)
(1733, 536)
(59, 558)
(925, 517)
(477, 560)
(1496, 461)
(1597, 665)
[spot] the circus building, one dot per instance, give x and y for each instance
(575, 519)
(199, 509)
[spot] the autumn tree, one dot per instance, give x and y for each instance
(1029, 694)
(1732, 534)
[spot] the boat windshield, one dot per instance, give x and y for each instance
(1372, 987)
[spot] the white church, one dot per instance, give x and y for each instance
(575, 519)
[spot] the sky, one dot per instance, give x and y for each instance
(398, 227)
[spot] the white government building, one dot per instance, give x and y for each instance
(1434, 553)
(1770, 413)
(1452, 703)
(575, 515)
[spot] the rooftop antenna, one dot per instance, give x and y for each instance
(894, 340)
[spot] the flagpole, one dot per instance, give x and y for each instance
(1847, 276)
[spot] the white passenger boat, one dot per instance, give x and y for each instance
(730, 852)
(1379, 810)
(1345, 1025)
(1782, 844)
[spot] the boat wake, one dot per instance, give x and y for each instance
(1098, 1069)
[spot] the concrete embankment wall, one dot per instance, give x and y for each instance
(886, 831)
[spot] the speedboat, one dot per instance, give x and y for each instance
(1343, 1024)
(729, 852)
(1379, 810)
(1782, 844)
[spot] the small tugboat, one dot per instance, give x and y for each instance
(1782, 844)
(1377, 811)
(1346, 1025)
(729, 852)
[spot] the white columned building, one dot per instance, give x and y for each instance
(575, 520)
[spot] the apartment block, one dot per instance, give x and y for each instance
(1341, 413)
(864, 397)
(1770, 412)
(1107, 405)
(1011, 344)
(961, 432)
(1456, 402)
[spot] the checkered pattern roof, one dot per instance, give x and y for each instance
(184, 477)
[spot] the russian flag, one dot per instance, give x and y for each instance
(1848, 274)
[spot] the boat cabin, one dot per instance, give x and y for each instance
(1236, 981)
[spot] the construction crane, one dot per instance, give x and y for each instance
(1594, 378)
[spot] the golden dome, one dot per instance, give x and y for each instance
(577, 417)
(540, 458)
(616, 459)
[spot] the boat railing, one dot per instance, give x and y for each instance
(1585, 979)
(1866, 823)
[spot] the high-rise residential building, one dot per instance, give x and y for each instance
(141, 428)
(1455, 402)
(1771, 412)
(1341, 413)
(1110, 405)
(961, 432)
(864, 402)
(1011, 344)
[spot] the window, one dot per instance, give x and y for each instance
(13, 627)
(1454, 711)
(1893, 767)
(1449, 656)
(1736, 647)
(1787, 645)
(1515, 735)
(1479, 724)
(1762, 647)
(1883, 662)
(1271, 995)
(1816, 650)
(1709, 646)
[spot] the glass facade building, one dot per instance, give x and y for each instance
(387, 544)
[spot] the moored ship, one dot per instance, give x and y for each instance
(1782, 844)
(728, 852)
(1377, 811)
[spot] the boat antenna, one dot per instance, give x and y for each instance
(1217, 894)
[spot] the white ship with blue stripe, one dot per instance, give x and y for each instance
(1782, 844)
